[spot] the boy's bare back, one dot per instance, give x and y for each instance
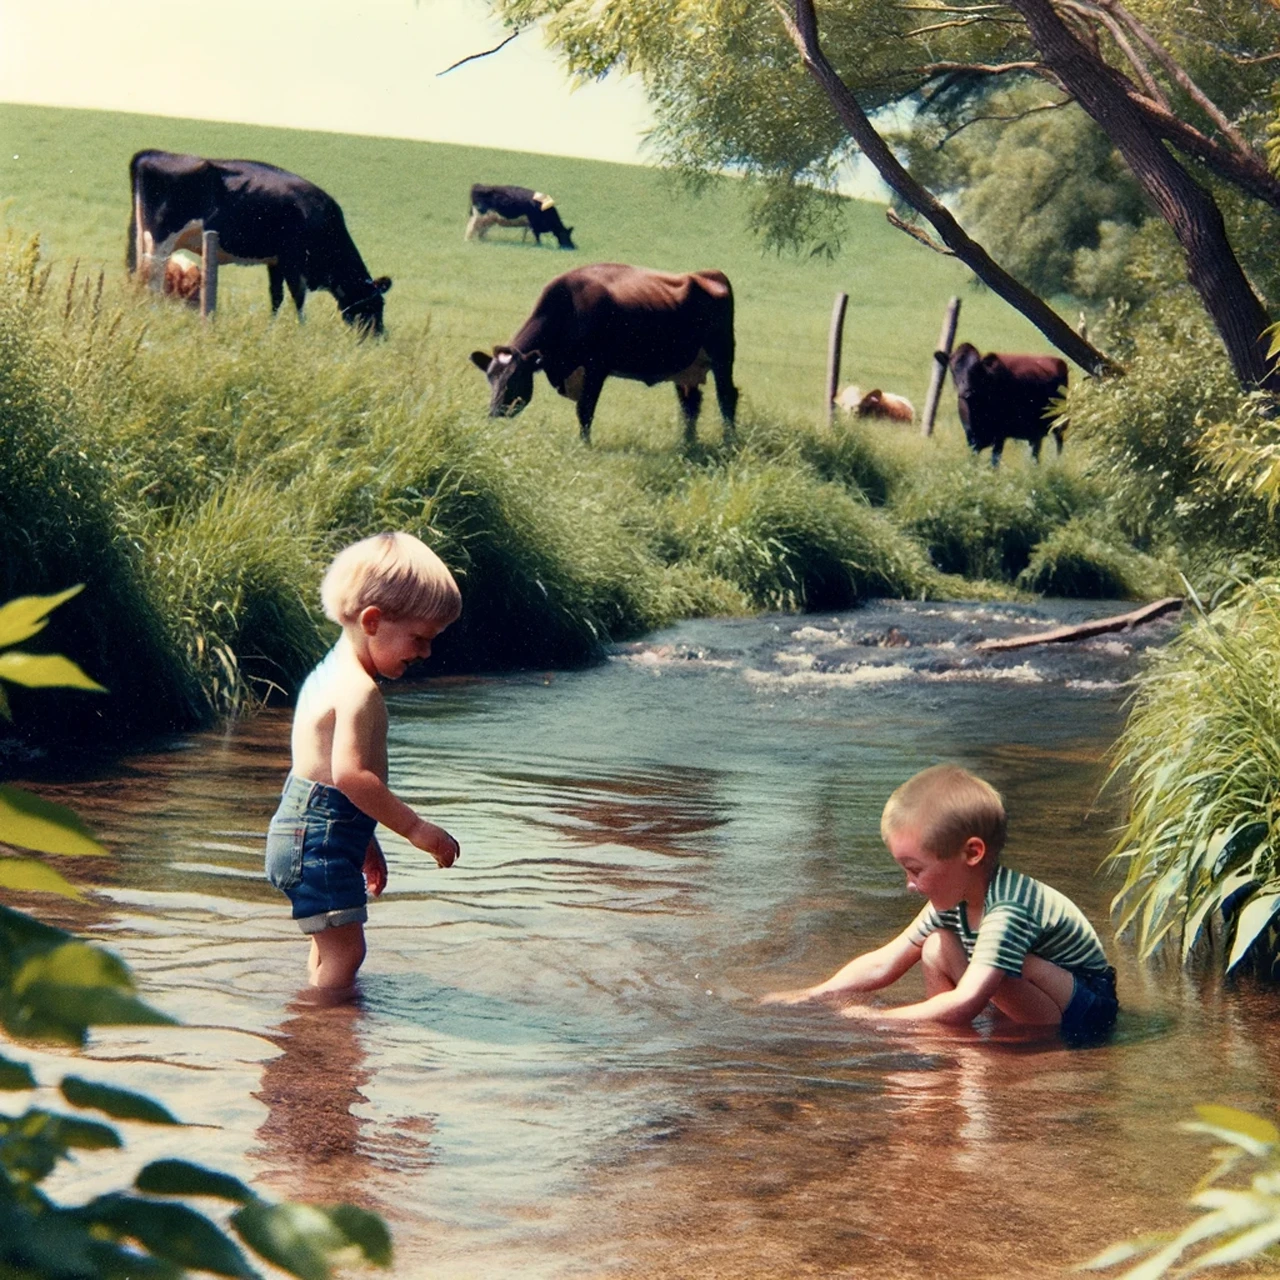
(339, 703)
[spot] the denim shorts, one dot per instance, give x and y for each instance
(316, 845)
(1090, 1015)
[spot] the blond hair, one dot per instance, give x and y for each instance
(946, 806)
(394, 571)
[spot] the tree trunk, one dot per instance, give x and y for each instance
(1190, 210)
(804, 34)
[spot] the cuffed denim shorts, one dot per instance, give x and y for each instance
(316, 846)
(1090, 1015)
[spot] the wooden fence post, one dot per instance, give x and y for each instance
(208, 273)
(941, 358)
(834, 344)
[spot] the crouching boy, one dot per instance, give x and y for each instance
(987, 935)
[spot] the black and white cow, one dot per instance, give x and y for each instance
(263, 216)
(516, 207)
(1003, 396)
(611, 320)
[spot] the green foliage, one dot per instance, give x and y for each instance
(1200, 755)
(1239, 1219)
(1164, 436)
(1088, 558)
(1041, 186)
(53, 986)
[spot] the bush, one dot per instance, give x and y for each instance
(1088, 559)
(1201, 756)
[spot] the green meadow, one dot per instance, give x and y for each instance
(406, 205)
(197, 477)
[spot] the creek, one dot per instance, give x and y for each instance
(557, 1065)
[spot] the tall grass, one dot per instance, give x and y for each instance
(1201, 758)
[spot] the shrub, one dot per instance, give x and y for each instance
(1087, 558)
(1201, 756)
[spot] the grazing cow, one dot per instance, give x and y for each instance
(516, 207)
(876, 404)
(263, 216)
(609, 319)
(1005, 397)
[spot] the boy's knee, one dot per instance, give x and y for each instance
(943, 950)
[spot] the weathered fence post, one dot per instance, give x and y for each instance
(208, 273)
(941, 357)
(834, 344)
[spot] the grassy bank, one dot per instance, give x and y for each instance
(198, 477)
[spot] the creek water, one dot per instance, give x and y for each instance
(557, 1065)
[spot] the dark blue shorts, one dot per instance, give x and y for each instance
(316, 846)
(1090, 1015)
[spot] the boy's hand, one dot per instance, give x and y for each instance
(375, 868)
(791, 997)
(436, 841)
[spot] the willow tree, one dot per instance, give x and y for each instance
(786, 94)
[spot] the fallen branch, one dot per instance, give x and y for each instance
(1121, 622)
(471, 57)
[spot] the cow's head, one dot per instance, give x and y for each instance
(565, 236)
(510, 373)
(966, 366)
(365, 312)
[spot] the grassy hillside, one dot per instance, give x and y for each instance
(406, 205)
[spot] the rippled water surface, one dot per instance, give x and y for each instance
(557, 1066)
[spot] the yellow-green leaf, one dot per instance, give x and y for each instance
(1241, 1122)
(73, 964)
(26, 875)
(45, 671)
(26, 615)
(32, 823)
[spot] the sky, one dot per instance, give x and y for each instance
(347, 66)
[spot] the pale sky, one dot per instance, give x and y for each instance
(347, 66)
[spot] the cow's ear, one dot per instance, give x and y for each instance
(382, 284)
(535, 359)
(482, 360)
(991, 360)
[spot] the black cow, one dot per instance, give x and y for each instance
(1005, 397)
(263, 216)
(609, 319)
(516, 207)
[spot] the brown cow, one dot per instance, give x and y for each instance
(614, 320)
(1007, 397)
(876, 404)
(182, 280)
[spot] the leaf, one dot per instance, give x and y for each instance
(1245, 1245)
(1233, 1122)
(45, 671)
(294, 1237)
(172, 1231)
(25, 616)
(182, 1178)
(365, 1230)
(15, 1075)
(32, 823)
(1255, 915)
(122, 1104)
(1119, 1253)
(26, 875)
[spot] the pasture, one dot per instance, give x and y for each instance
(197, 477)
(406, 205)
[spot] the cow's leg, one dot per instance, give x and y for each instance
(297, 291)
(690, 398)
(997, 449)
(592, 385)
(275, 282)
(1035, 448)
(726, 396)
(471, 225)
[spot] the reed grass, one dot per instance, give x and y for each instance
(1200, 757)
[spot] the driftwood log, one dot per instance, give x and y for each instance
(1100, 626)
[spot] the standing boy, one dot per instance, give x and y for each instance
(392, 596)
(987, 934)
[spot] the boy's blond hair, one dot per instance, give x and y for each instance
(394, 571)
(946, 806)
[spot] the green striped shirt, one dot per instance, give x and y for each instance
(1020, 916)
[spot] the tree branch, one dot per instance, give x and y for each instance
(803, 30)
(471, 57)
(916, 234)
(1098, 11)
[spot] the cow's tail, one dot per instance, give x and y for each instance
(131, 252)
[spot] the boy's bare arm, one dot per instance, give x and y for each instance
(359, 767)
(867, 972)
(956, 1008)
